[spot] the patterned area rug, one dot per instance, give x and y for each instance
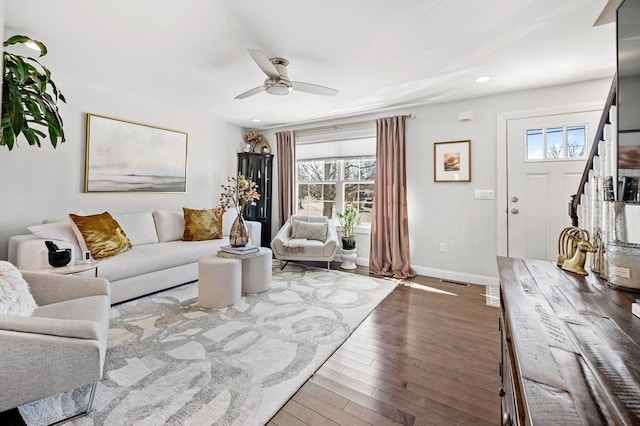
(172, 362)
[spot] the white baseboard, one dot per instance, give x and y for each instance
(362, 261)
(459, 277)
(444, 274)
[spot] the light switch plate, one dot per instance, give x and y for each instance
(484, 194)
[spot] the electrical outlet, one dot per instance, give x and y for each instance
(484, 194)
(443, 247)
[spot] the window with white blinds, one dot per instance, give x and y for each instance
(336, 167)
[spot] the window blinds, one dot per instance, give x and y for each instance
(337, 142)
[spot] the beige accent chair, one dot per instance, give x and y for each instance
(61, 346)
(288, 249)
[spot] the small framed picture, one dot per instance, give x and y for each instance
(452, 161)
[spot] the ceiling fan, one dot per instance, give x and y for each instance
(278, 82)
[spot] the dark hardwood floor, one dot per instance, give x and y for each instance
(420, 358)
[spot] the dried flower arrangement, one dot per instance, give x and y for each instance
(254, 140)
(238, 193)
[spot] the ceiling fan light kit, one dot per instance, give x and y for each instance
(277, 87)
(278, 82)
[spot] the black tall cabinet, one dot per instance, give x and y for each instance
(258, 168)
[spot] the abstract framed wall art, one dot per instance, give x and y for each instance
(452, 161)
(123, 156)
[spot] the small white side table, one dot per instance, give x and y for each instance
(72, 268)
(349, 259)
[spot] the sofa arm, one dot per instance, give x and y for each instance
(331, 244)
(29, 253)
(51, 288)
(75, 329)
(277, 244)
(255, 231)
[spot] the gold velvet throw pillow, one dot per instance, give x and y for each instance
(101, 233)
(202, 225)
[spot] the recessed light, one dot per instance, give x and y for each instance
(483, 79)
(255, 120)
(32, 45)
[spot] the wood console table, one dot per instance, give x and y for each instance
(570, 348)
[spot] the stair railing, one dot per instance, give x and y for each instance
(599, 136)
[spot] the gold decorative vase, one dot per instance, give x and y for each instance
(239, 235)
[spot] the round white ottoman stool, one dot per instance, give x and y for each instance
(256, 272)
(219, 282)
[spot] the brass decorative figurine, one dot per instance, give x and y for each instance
(576, 263)
(568, 241)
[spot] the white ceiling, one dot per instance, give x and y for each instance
(379, 54)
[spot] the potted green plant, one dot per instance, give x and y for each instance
(29, 98)
(348, 219)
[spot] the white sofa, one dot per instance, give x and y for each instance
(159, 259)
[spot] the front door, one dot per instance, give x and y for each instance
(545, 159)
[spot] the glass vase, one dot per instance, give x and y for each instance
(239, 235)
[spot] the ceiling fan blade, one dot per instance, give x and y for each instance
(251, 92)
(264, 63)
(313, 88)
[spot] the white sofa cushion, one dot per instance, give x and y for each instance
(59, 231)
(169, 225)
(227, 220)
(148, 258)
(54, 231)
(139, 227)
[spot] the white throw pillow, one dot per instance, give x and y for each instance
(308, 230)
(227, 221)
(15, 297)
(60, 231)
(139, 227)
(169, 225)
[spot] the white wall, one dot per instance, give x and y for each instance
(39, 183)
(448, 212)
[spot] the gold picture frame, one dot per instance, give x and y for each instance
(452, 161)
(124, 156)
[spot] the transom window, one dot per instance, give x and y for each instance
(328, 185)
(557, 143)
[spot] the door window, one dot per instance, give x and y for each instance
(556, 143)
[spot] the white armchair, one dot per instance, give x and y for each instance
(61, 346)
(303, 238)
